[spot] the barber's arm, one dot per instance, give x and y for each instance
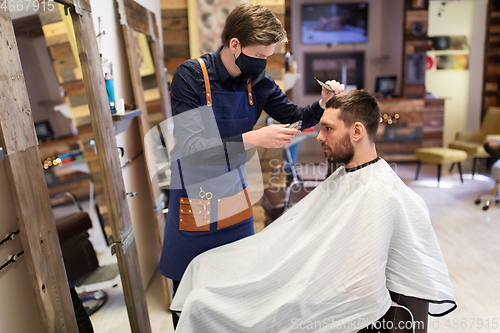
(285, 111)
(273, 136)
(282, 109)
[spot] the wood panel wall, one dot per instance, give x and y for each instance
(65, 64)
(491, 81)
(174, 19)
(425, 115)
(416, 19)
(276, 63)
(69, 75)
(176, 36)
(288, 24)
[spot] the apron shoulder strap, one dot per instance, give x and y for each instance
(207, 84)
(249, 86)
(207, 81)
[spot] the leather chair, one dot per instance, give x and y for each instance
(84, 273)
(301, 179)
(390, 322)
(79, 257)
(473, 142)
(495, 196)
(277, 199)
(493, 148)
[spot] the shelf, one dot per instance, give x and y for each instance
(447, 52)
(127, 115)
(122, 121)
(79, 165)
(301, 136)
(68, 140)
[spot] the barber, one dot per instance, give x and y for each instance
(237, 90)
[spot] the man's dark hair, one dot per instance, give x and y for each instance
(357, 105)
(253, 25)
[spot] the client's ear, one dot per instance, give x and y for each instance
(358, 131)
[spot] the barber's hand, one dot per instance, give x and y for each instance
(273, 136)
(327, 94)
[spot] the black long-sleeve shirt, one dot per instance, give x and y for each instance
(188, 87)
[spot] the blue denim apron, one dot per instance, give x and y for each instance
(235, 113)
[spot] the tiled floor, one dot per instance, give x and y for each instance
(469, 241)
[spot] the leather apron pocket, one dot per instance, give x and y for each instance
(194, 214)
(233, 209)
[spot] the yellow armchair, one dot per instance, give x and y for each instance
(473, 142)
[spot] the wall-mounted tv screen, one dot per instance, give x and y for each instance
(335, 23)
(385, 85)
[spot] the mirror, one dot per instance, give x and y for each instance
(123, 236)
(149, 83)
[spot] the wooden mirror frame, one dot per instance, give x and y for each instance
(135, 18)
(123, 243)
(28, 187)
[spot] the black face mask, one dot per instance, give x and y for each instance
(250, 66)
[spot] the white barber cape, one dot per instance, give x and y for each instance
(326, 265)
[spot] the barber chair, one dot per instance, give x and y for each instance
(300, 181)
(80, 260)
(276, 200)
(495, 196)
(492, 147)
(409, 310)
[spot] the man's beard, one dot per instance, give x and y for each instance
(343, 152)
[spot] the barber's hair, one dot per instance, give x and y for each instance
(357, 105)
(253, 25)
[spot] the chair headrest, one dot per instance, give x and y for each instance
(72, 225)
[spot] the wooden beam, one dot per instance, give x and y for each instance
(137, 88)
(74, 88)
(28, 187)
(137, 17)
(159, 60)
(175, 23)
(174, 13)
(157, 46)
(173, 4)
(114, 188)
(171, 63)
(29, 26)
(177, 37)
(84, 4)
(60, 51)
(177, 51)
(140, 100)
(55, 33)
(48, 16)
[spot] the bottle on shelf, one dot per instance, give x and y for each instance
(107, 69)
(288, 61)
